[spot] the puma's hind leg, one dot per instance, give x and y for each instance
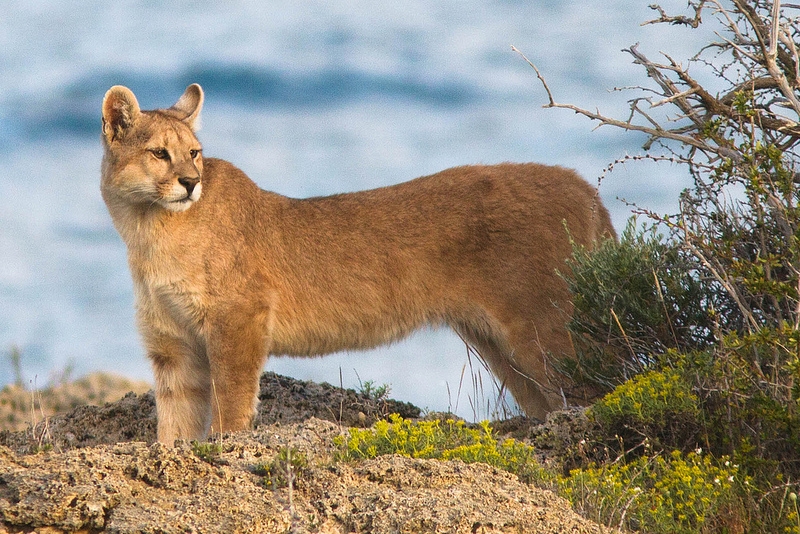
(522, 355)
(535, 378)
(523, 386)
(493, 347)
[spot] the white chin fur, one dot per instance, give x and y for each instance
(183, 203)
(177, 205)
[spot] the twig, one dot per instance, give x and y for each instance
(681, 19)
(752, 324)
(290, 481)
(219, 408)
(671, 99)
(538, 75)
(774, 29)
(624, 335)
(596, 116)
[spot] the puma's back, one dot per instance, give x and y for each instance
(430, 249)
(226, 273)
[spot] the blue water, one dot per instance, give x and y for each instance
(308, 98)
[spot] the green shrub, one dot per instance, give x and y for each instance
(708, 400)
(751, 409)
(736, 393)
(374, 392)
(714, 307)
(633, 300)
(446, 440)
(671, 493)
(656, 407)
(648, 398)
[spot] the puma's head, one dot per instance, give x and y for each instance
(152, 157)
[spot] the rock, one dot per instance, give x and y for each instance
(286, 400)
(98, 469)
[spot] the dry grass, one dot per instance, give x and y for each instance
(21, 407)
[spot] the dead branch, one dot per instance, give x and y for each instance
(747, 133)
(654, 132)
(770, 77)
(680, 19)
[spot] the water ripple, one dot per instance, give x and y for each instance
(74, 110)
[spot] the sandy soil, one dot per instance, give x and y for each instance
(97, 469)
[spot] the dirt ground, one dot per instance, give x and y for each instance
(97, 468)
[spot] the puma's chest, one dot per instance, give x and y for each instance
(169, 296)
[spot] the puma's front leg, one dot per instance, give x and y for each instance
(183, 388)
(237, 349)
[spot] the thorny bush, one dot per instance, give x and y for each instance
(716, 302)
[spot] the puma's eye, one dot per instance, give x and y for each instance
(160, 153)
(194, 153)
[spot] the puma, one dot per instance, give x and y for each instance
(226, 274)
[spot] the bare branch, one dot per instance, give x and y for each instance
(680, 19)
(770, 52)
(636, 109)
(754, 84)
(773, 34)
(673, 98)
(538, 75)
(654, 132)
(626, 125)
(789, 43)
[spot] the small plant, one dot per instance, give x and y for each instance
(373, 392)
(288, 466)
(46, 447)
(15, 359)
(206, 451)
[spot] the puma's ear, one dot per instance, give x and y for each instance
(120, 112)
(189, 105)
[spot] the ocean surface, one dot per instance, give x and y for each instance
(309, 98)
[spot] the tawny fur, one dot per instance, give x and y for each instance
(226, 273)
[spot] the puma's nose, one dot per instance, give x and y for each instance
(188, 182)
